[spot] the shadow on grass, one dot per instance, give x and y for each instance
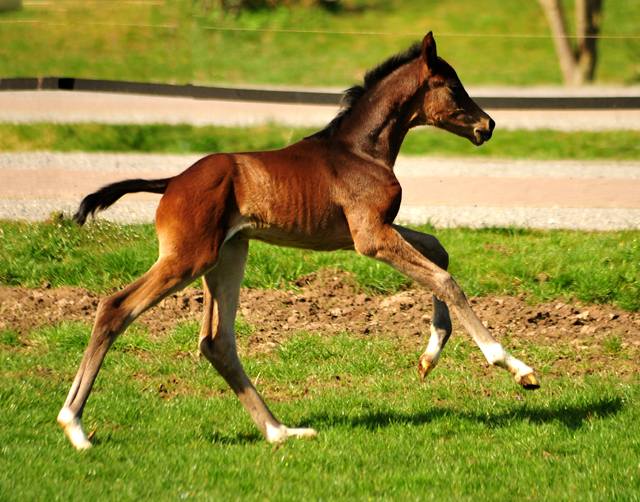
(573, 417)
(220, 438)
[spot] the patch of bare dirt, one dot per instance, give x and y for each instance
(594, 336)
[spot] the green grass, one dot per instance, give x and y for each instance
(159, 138)
(162, 138)
(168, 428)
(180, 41)
(98, 257)
(592, 267)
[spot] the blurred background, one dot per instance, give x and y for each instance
(532, 49)
(319, 43)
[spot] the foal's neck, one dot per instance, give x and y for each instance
(382, 117)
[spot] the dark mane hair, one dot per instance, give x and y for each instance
(371, 78)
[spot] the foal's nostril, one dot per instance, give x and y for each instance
(482, 135)
(492, 125)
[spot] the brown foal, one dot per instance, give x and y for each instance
(333, 190)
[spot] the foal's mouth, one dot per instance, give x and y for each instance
(481, 136)
(483, 133)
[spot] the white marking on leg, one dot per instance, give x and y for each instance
(434, 349)
(280, 433)
(72, 427)
(495, 354)
(276, 434)
(498, 356)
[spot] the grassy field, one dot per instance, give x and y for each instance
(180, 41)
(383, 434)
(168, 428)
(162, 138)
(592, 267)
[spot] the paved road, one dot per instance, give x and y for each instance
(447, 192)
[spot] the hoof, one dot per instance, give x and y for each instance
(303, 433)
(282, 433)
(425, 366)
(529, 382)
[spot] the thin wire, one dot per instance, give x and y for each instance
(52, 23)
(171, 26)
(330, 32)
(140, 2)
(388, 33)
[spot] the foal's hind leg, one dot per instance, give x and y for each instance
(441, 328)
(114, 315)
(217, 338)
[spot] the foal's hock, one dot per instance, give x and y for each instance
(333, 190)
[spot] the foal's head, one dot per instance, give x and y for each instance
(446, 104)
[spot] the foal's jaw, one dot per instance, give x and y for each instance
(477, 132)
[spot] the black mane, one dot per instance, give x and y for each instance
(371, 78)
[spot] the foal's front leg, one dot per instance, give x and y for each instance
(429, 247)
(384, 243)
(218, 344)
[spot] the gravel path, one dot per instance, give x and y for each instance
(446, 192)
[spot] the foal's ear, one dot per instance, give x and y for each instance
(429, 53)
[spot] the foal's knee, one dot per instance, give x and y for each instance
(447, 290)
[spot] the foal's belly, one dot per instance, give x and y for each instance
(303, 242)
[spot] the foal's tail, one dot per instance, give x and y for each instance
(109, 194)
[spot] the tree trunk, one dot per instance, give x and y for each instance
(577, 65)
(588, 21)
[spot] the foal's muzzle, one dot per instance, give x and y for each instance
(483, 133)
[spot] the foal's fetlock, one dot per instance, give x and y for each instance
(426, 365)
(524, 375)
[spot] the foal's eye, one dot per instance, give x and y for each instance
(455, 87)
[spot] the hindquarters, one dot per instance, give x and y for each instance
(196, 212)
(192, 222)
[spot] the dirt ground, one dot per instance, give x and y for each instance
(593, 338)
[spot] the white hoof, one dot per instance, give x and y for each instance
(281, 433)
(73, 429)
(303, 432)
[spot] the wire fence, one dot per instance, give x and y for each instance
(293, 31)
(324, 32)
(192, 67)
